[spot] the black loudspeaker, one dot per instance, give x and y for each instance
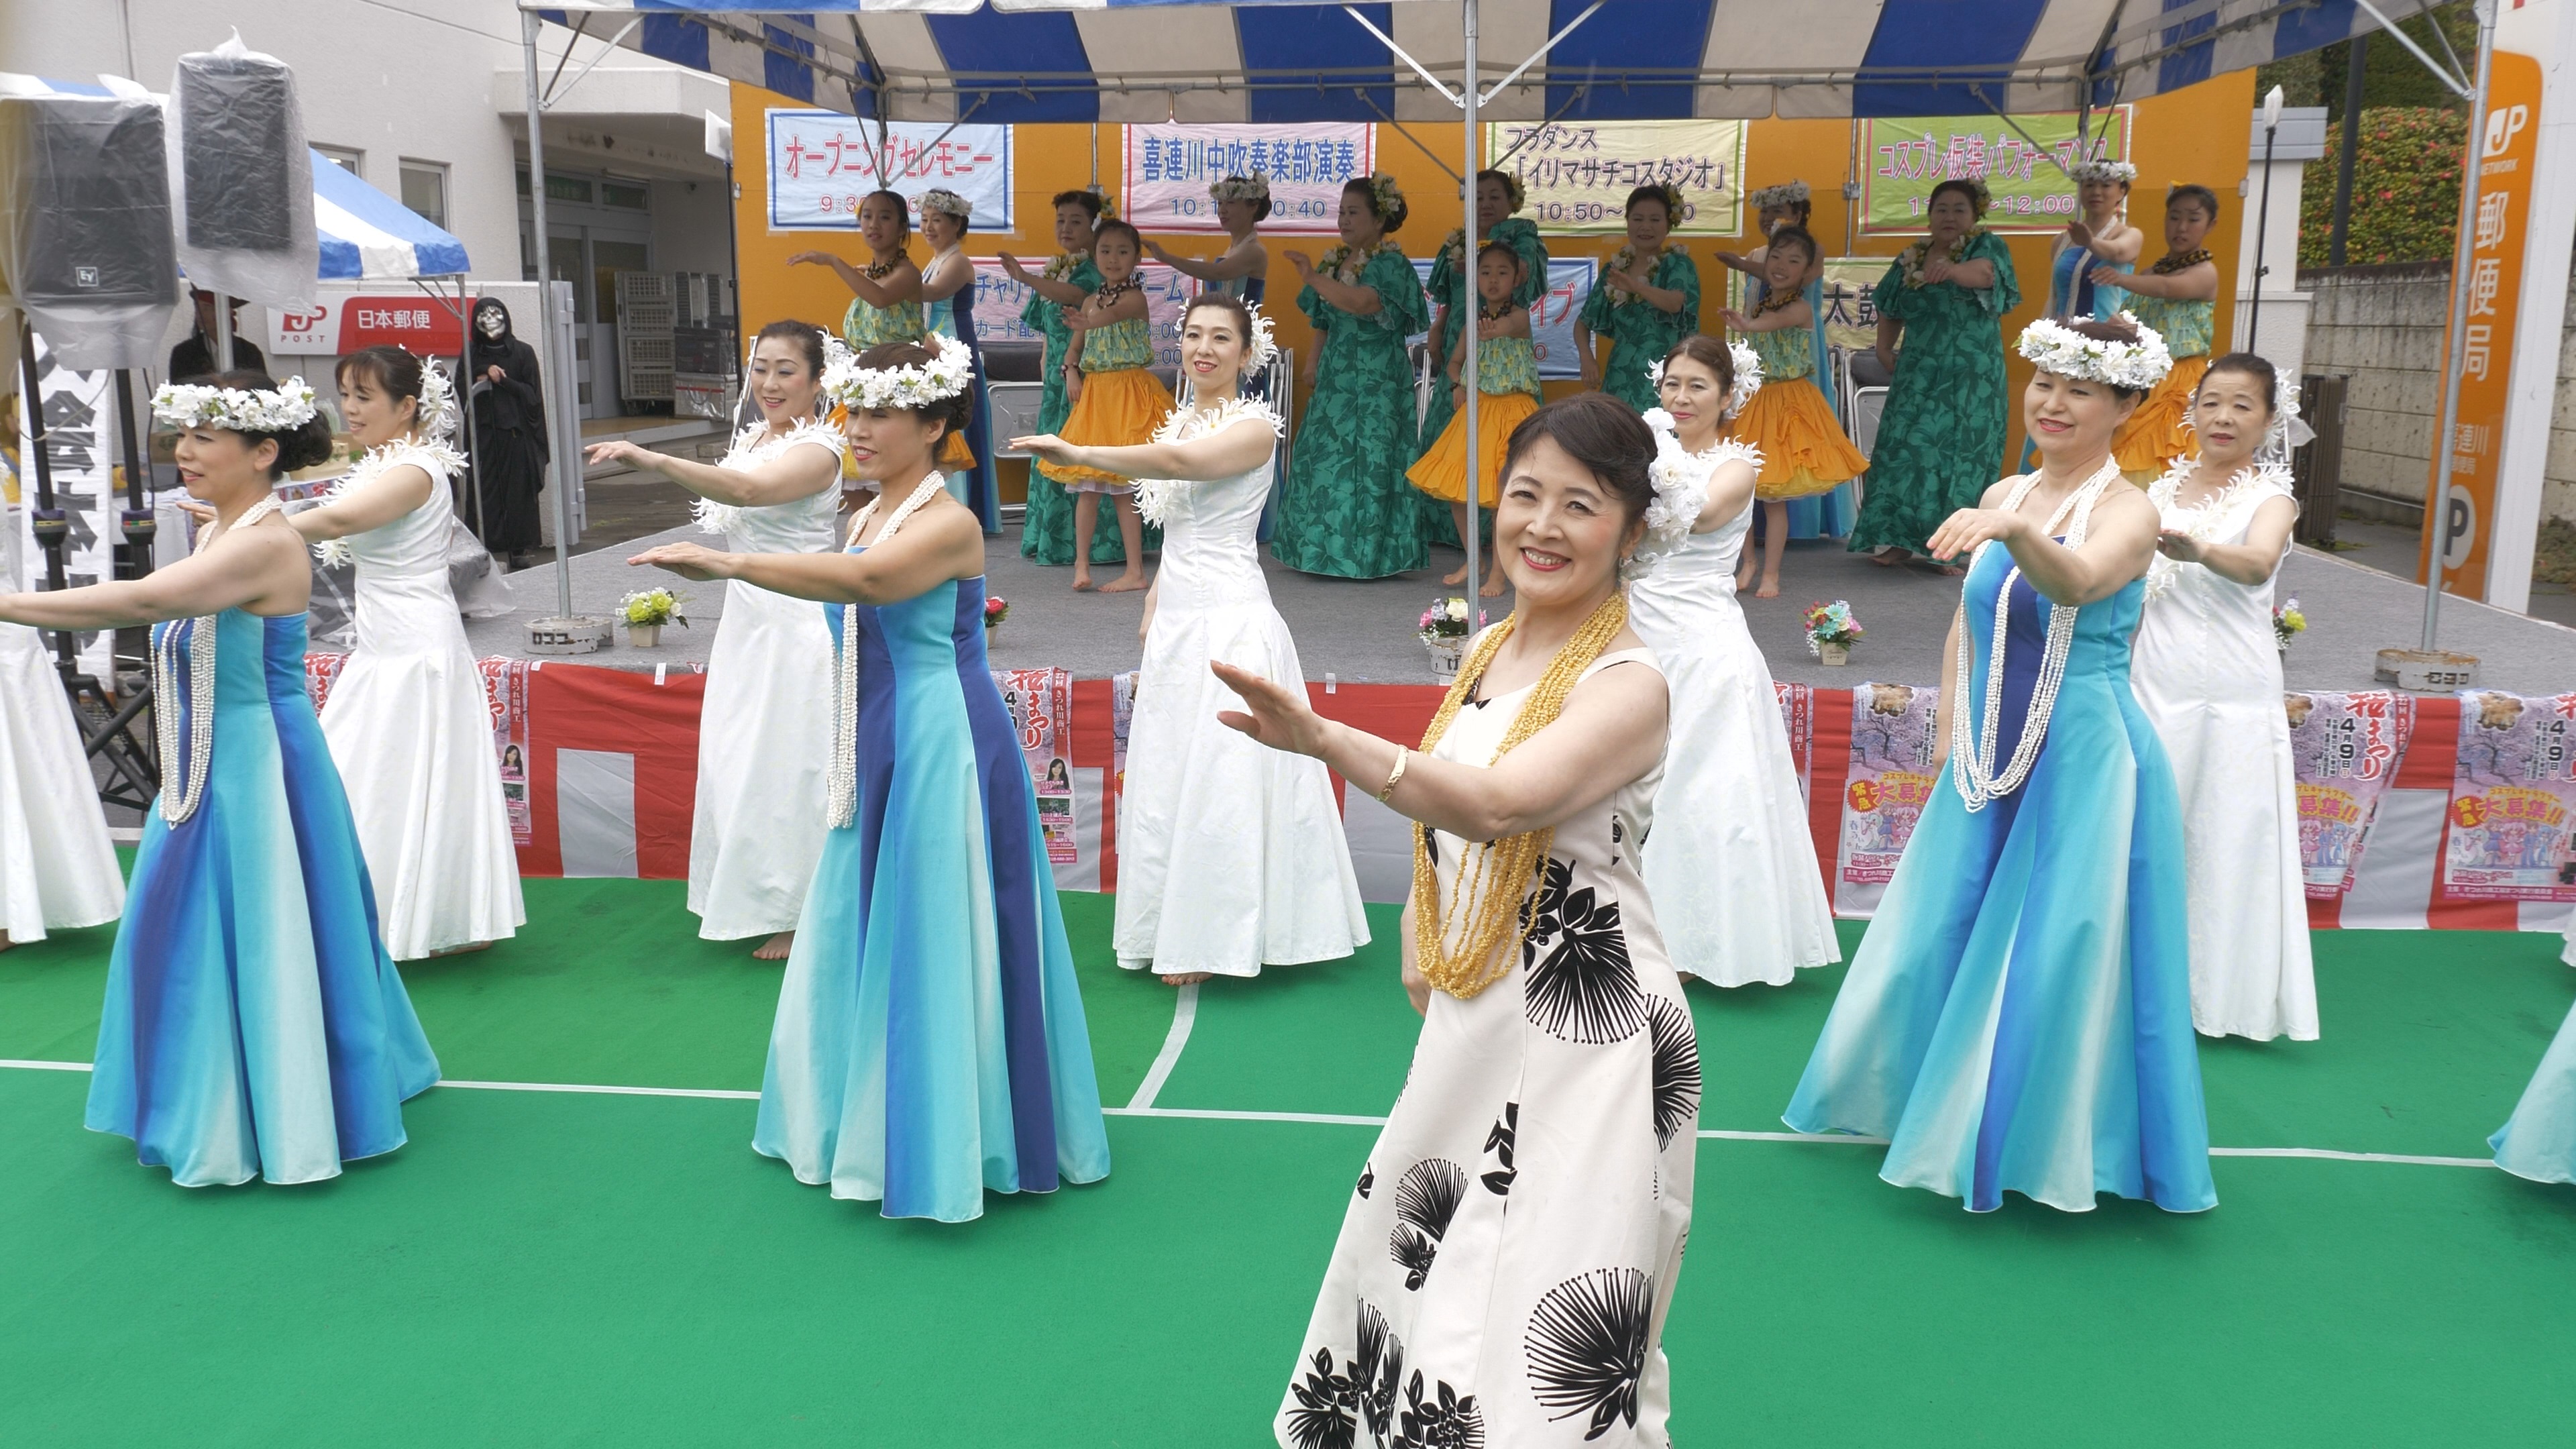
(236, 130)
(85, 181)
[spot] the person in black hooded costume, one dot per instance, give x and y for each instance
(509, 433)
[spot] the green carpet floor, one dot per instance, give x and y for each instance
(539, 1269)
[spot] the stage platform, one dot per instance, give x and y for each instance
(578, 1245)
(1362, 632)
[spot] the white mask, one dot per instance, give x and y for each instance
(491, 321)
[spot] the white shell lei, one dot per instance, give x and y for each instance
(200, 708)
(435, 458)
(1681, 490)
(2201, 521)
(842, 782)
(1973, 761)
(752, 447)
(1155, 496)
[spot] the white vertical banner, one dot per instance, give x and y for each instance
(1169, 168)
(822, 163)
(80, 445)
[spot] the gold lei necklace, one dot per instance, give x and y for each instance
(1481, 915)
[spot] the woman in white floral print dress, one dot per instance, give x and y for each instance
(1510, 1249)
(765, 731)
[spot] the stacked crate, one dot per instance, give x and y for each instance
(645, 319)
(706, 377)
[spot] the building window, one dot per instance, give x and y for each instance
(424, 190)
(625, 194)
(342, 157)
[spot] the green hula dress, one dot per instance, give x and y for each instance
(1940, 442)
(1453, 275)
(1349, 511)
(1046, 529)
(1641, 334)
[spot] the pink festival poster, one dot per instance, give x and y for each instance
(2344, 750)
(1892, 777)
(1041, 704)
(1798, 716)
(505, 689)
(2512, 789)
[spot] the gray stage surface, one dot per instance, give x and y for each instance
(1363, 632)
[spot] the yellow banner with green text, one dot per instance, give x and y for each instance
(1578, 174)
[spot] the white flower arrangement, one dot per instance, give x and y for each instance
(941, 199)
(949, 372)
(1255, 187)
(1385, 197)
(1262, 345)
(2052, 346)
(2100, 169)
(1787, 193)
(437, 402)
(235, 409)
(648, 608)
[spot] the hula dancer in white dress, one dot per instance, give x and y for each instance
(765, 734)
(2206, 668)
(409, 721)
(57, 870)
(1732, 865)
(1509, 1253)
(1230, 857)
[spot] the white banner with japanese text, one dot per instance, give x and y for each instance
(821, 163)
(999, 302)
(1168, 170)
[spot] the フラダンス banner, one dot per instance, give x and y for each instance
(2023, 162)
(1169, 168)
(1578, 174)
(822, 163)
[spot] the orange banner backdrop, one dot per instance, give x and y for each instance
(2508, 145)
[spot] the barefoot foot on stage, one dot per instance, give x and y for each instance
(1126, 583)
(1188, 978)
(776, 948)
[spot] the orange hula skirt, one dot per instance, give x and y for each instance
(1804, 452)
(2155, 434)
(1441, 471)
(955, 453)
(1116, 410)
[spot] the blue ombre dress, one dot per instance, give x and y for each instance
(254, 1025)
(930, 1042)
(2019, 1015)
(2539, 1140)
(954, 316)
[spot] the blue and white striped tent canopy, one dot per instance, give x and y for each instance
(369, 236)
(365, 234)
(1266, 61)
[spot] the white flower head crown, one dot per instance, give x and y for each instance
(2102, 170)
(943, 200)
(236, 409)
(2052, 346)
(437, 401)
(1747, 366)
(1255, 187)
(1385, 197)
(1262, 345)
(1787, 193)
(949, 371)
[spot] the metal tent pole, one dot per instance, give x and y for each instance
(2463, 246)
(529, 22)
(2253, 339)
(1474, 304)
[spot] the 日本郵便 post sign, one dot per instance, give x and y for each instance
(2021, 159)
(2508, 143)
(1577, 174)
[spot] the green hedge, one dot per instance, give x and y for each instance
(2405, 189)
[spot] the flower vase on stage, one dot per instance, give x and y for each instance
(1443, 630)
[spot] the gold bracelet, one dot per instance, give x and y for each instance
(1403, 757)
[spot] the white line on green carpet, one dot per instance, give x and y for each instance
(1180, 1034)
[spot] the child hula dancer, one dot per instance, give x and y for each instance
(1827, 514)
(1117, 403)
(886, 301)
(1804, 452)
(1507, 376)
(1648, 299)
(2177, 298)
(1498, 201)
(1046, 533)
